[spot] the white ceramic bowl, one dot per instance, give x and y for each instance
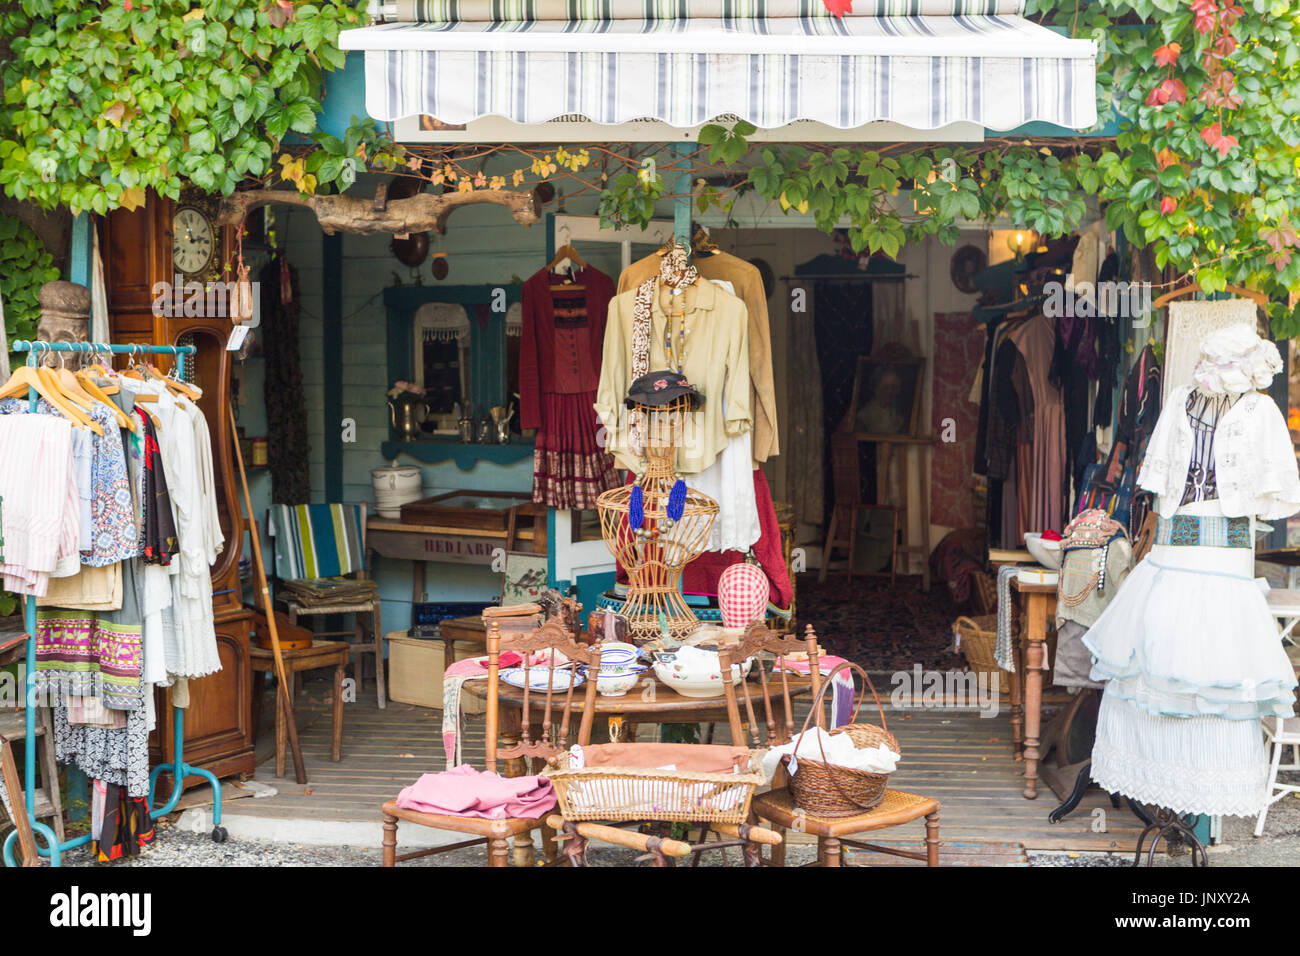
(616, 685)
(1046, 553)
(691, 682)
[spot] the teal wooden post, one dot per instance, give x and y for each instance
(682, 187)
(332, 349)
(80, 260)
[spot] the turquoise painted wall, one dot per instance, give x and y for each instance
(484, 245)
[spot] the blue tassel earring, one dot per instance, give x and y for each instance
(635, 509)
(676, 501)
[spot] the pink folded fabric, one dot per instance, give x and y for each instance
(466, 792)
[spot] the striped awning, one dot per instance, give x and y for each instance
(923, 64)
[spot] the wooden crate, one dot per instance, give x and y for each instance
(415, 669)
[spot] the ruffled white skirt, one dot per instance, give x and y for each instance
(1191, 659)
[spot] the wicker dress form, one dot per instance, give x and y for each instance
(654, 563)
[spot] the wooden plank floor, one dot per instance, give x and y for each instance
(959, 758)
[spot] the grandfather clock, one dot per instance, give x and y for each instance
(148, 251)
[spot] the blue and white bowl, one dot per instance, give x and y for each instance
(615, 656)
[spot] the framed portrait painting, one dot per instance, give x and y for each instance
(887, 395)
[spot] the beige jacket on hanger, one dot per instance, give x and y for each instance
(748, 284)
(717, 364)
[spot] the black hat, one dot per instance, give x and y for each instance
(660, 388)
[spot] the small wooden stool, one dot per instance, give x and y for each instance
(320, 654)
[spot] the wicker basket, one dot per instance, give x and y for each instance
(618, 794)
(978, 639)
(828, 790)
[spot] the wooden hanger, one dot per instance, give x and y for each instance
(90, 387)
(566, 253)
(77, 397)
(174, 385)
(1259, 298)
(703, 243)
(26, 377)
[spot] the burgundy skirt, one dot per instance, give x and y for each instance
(570, 470)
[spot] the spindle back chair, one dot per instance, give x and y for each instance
(553, 636)
(757, 641)
(512, 629)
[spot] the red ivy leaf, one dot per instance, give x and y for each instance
(1204, 12)
(1166, 158)
(1170, 90)
(1279, 260)
(839, 7)
(1225, 44)
(1168, 55)
(1215, 139)
(1230, 14)
(1168, 205)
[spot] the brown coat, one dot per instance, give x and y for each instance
(748, 285)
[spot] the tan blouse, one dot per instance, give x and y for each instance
(748, 285)
(717, 364)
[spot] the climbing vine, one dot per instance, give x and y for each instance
(104, 101)
(1203, 166)
(107, 100)
(25, 266)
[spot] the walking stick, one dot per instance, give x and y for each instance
(282, 694)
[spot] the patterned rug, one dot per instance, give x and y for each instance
(878, 627)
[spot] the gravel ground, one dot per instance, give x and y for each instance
(1280, 846)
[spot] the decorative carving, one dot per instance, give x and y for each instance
(352, 214)
(65, 314)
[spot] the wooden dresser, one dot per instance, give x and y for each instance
(139, 273)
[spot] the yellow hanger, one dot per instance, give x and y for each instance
(54, 383)
(26, 377)
(91, 388)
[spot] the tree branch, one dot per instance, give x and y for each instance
(353, 214)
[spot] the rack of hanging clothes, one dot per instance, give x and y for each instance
(1050, 370)
(109, 521)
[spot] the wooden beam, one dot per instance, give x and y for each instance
(419, 213)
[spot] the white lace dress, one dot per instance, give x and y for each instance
(1191, 660)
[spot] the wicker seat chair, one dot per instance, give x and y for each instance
(498, 834)
(778, 808)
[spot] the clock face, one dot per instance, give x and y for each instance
(192, 246)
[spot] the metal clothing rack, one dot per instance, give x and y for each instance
(179, 768)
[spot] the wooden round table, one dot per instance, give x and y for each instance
(649, 702)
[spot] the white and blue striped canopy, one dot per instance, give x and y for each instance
(922, 64)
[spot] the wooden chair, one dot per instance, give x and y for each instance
(328, 541)
(843, 529)
(497, 834)
(777, 806)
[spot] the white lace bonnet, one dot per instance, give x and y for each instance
(1236, 360)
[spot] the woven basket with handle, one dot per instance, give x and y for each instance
(978, 638)
(828, 790)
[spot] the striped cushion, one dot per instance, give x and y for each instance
(318, 541)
